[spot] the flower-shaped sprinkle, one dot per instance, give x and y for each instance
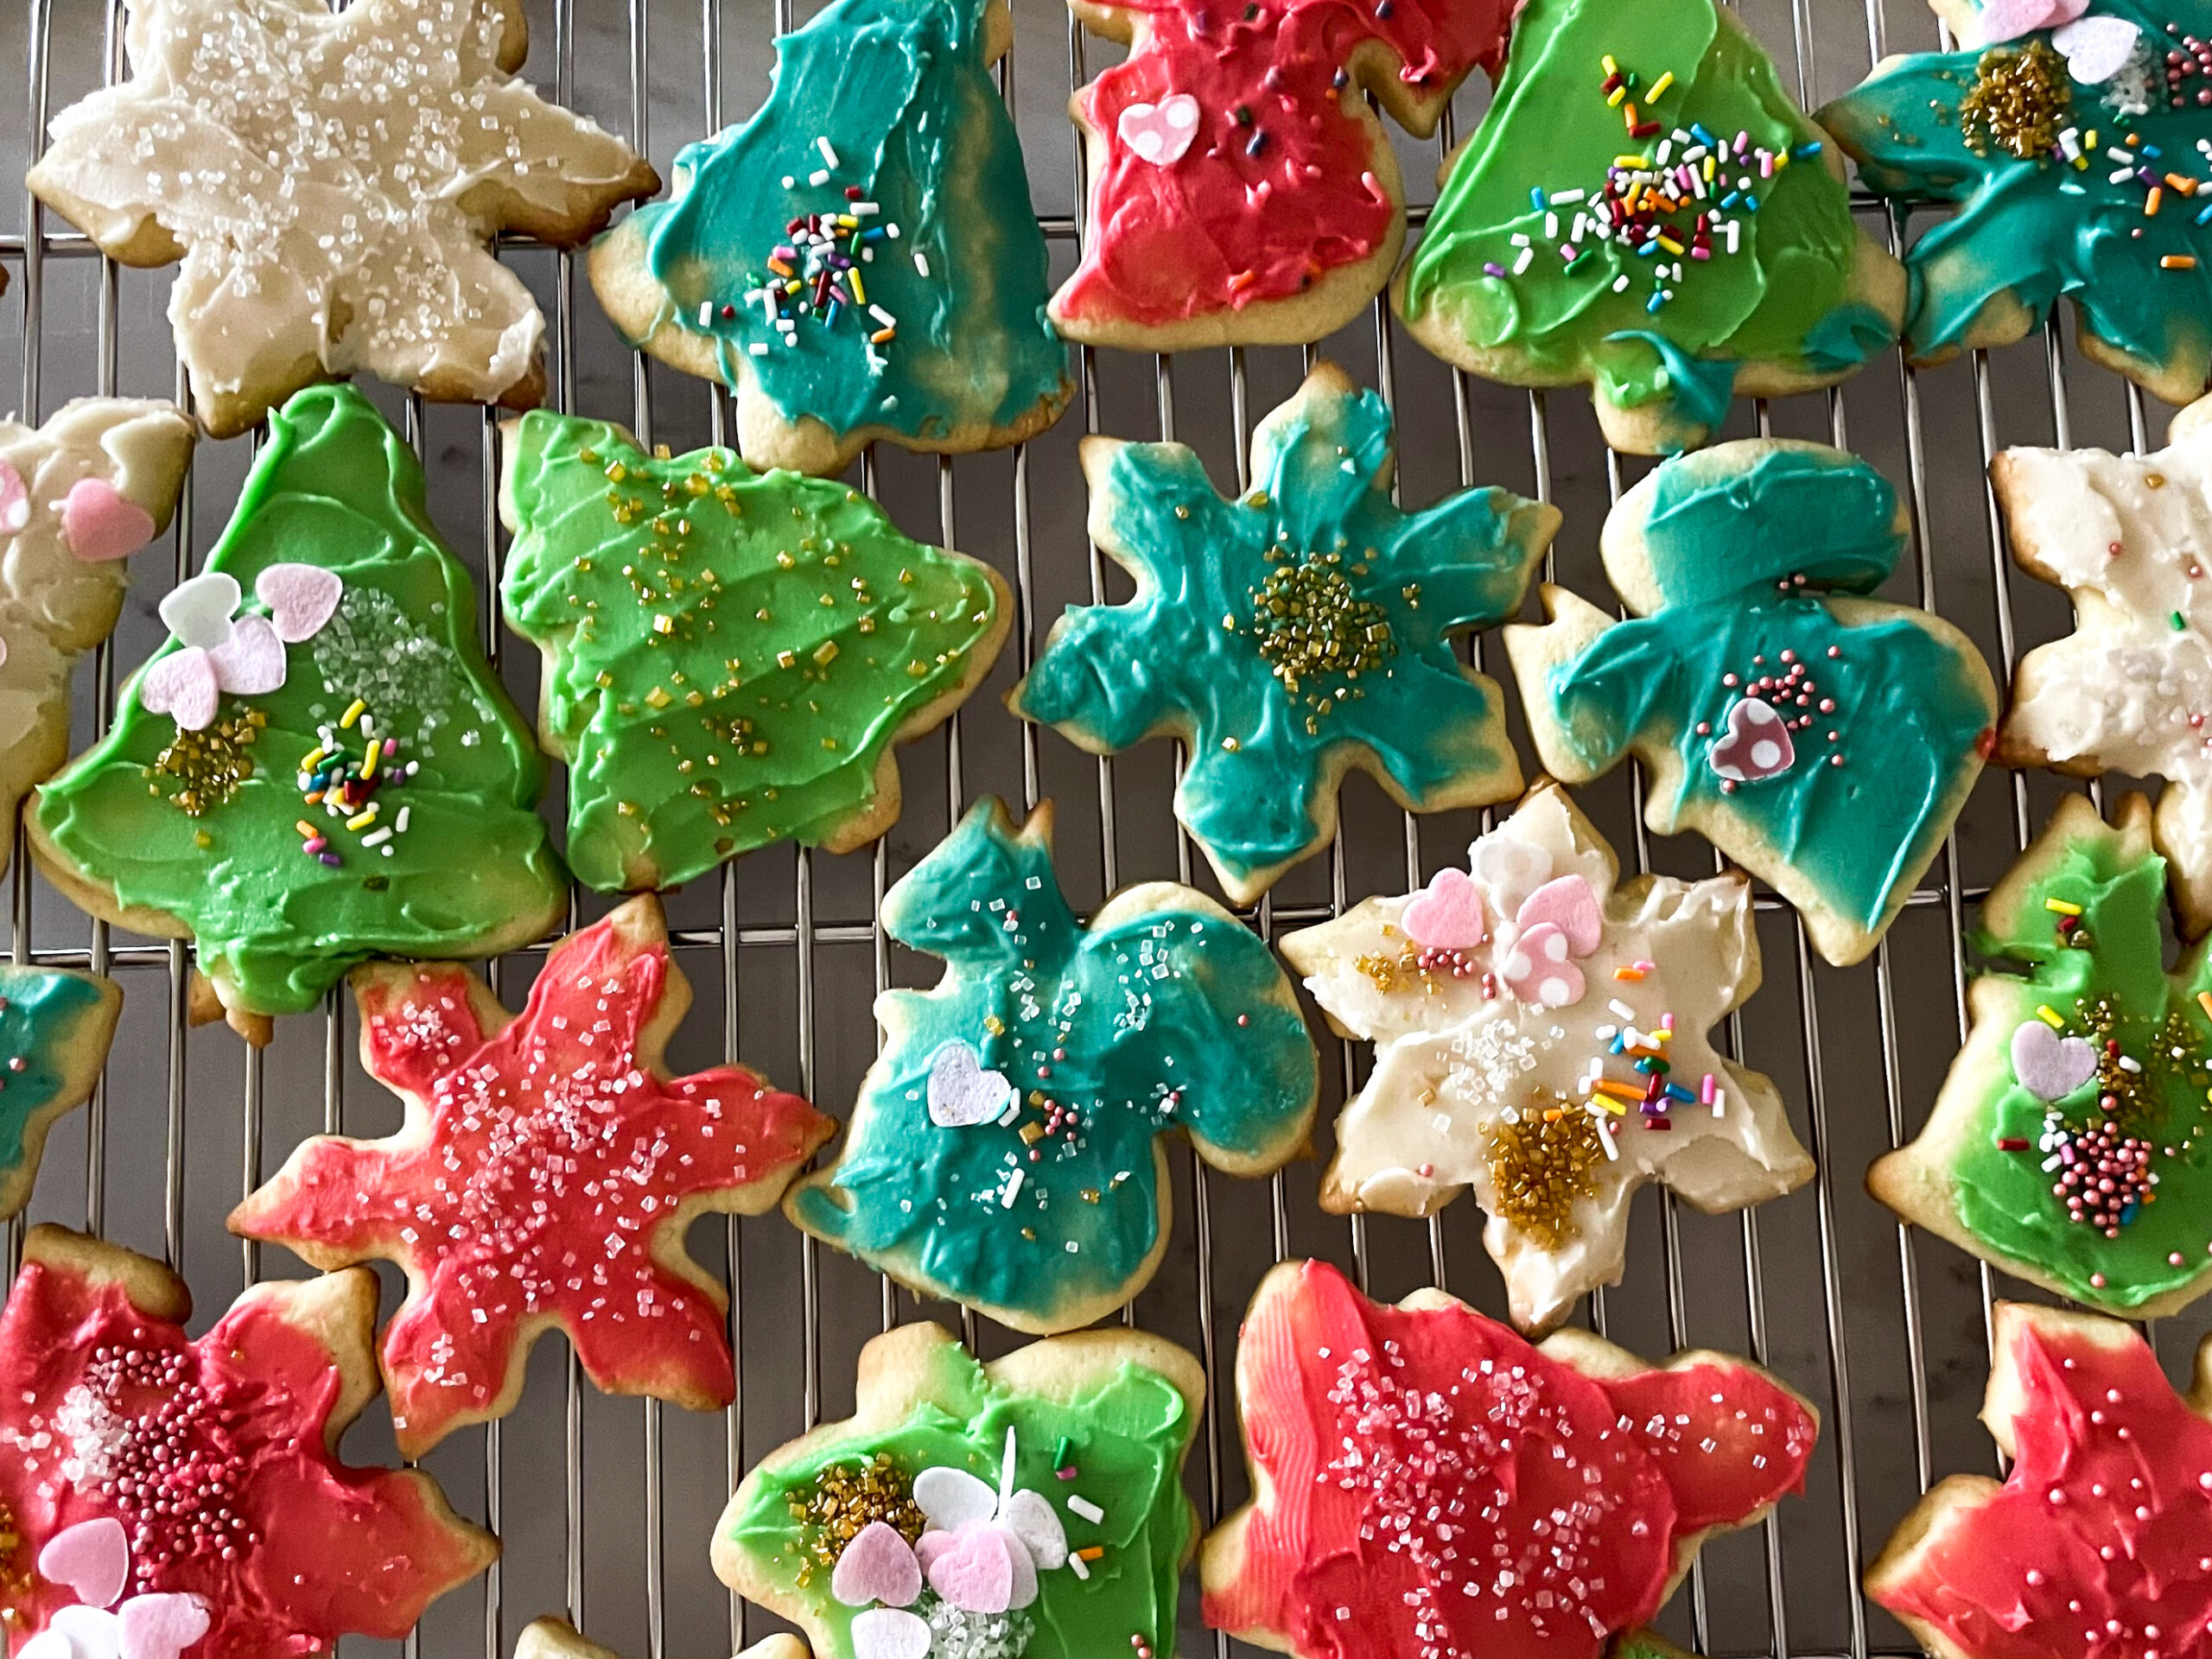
(224, 651)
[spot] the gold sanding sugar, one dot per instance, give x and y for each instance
(208, 766)
(1311, 621)
(1540, 1162)
(2019, 101)
(844, 1498)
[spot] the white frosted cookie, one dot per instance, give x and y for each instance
(556, 1638)
(96, 483)
(1541, 1038)
(2130, 539)
(330, 180)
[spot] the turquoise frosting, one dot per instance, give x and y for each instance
(1173, 1017)
(2037, 226)
(1186, 654)
(1726, 547)
(40, 1009)
(902, 92)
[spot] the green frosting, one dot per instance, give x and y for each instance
(147, 809)
(1676, 330)
(1743, 559)
(42, 1011)
(729, 655)
(2104, 975)
(1170, 1016)
(2032, 223)
(901, 91)
(1126, 1437)
(1279, 630)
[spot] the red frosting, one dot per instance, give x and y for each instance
(1226, 224)
(551, 1161)
(1437, 1487)
(2099, 1545)
(212, 1455)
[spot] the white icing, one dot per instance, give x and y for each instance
(333, 178)
(1449, 1061)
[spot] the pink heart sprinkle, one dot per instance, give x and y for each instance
(14, 500)
(1569, 905)
(1447, 914)
(1160, 132)
(252, 661)
(301, 597)
(92, 1558)
(877, 1566)
(974, 1571)
(161, 1626)
(1537, 970)
(182, 685)
(99, 522)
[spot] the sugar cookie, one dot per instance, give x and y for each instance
(55, 1026)
(556, 1638)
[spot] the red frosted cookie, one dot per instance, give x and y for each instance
(544, 1177)
(163, 1496)
(1431, 1485)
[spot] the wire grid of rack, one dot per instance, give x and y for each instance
(605, 1506)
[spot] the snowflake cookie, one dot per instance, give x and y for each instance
(1540, 1037)
(543, 1179)
(1431, 1486)
(331, 181)
(1822, 739)
(165, 1496)
(1031, 1506)
(1292, 633)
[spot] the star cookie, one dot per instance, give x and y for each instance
(1289, 635)
(1542, 1036)
(544, 1177)
(2130, 688)
(1822, 739)
(1005, 1148)
(1430, 1486)
(165, 1492)
(2105, 1516)
(980, 1510)
(331, 181)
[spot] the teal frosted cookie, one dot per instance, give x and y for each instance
(55, 1026)
(1292, 633)
(1004, 1151)
(1823, 739)
(2074, 155)
(859, 260)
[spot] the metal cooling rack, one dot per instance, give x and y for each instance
(605, 1506)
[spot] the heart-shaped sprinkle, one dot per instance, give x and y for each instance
(975, 1571)
(1031, 1519)
(48, 1644)
(92, 1558)
(2000, 20)
(14, 500)
(1447, 914)
(951, 1498)
(199, 611)
(1160, 132)
(1509, 869)
(181, 685)
(2049, 1066)
(1537, 970)
(91, 1632)
(1755, 746)
(301, 597)
(2096, 49)
(99, 522)
(877, 1566)
(961, 1093)
(161, 1626)
(252, 661)
(889, 1633)
(1569, 905)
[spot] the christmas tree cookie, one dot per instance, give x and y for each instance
(1242, 190)
(731, 658)
(1004, 1151)
(2069, 1144)
(1541, 1034)
(1644, 209)
(2131, 688)
(2069, 139)
(2104, 1507)
(1294, 632)
(859, 259)
(78, 495)
(1427, 1483)
(531, 1144)
(319, 766)
(1028, 1508)
(1822, 739)
(165, 1496)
